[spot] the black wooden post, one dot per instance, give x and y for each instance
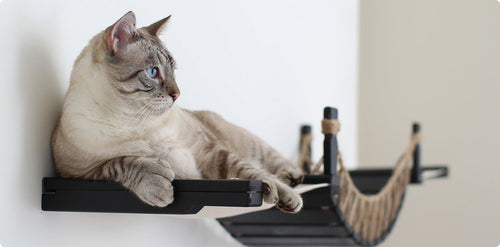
(416, 171)
(306, 130)
(330, 145)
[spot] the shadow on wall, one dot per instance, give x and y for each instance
(42, 99)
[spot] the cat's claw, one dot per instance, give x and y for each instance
(292, 176)
(290, 201)
(285, 198)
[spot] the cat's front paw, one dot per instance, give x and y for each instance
(285, 198)
(290, 175)
(155, 184)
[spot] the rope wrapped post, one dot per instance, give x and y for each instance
(331, 149)
(330, 144)
(305, 148)
(415, 176)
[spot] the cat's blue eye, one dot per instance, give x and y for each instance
(152, 72)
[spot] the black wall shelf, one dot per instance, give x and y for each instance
(190, 196)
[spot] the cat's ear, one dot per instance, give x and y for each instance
(121, 34)
(155, 28)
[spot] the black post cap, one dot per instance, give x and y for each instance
(305, 129)
(330, 113)
(416, 127)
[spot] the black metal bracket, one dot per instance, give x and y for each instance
(416, 177)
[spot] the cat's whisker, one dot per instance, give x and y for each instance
(132, 100)
(143, 111)
(139, 112)
(143, 122)
(152, 108)
(143, 117)
(128, 102)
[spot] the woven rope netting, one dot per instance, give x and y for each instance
(370, 216)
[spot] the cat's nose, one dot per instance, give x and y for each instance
(172, 89)
(174, 96)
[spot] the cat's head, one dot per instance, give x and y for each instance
(138, 66)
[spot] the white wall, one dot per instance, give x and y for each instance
(266, 65)
(436, 62)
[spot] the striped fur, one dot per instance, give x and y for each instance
(118, 124)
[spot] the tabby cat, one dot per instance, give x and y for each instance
(119, 123)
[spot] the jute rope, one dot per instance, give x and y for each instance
(370, 216)
(328, 126)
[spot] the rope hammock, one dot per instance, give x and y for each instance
(369, 216)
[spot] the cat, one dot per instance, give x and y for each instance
(119, 122)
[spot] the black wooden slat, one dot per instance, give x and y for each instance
(317, 198)
(106, 201)
(233, 185)
(199, 185)
(274, 216)
(317, 179)
(367, 185)
(287, 230)
(127, 202)
(53, 184)
(296, 241)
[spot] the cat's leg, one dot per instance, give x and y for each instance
(285, 170)
(252, 148)
(226, 164)
(275, 191)
(149, 178)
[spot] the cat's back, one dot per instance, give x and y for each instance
(231, 136)
(214, 123)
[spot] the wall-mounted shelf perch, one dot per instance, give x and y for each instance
(190, 196)
(354, 208)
